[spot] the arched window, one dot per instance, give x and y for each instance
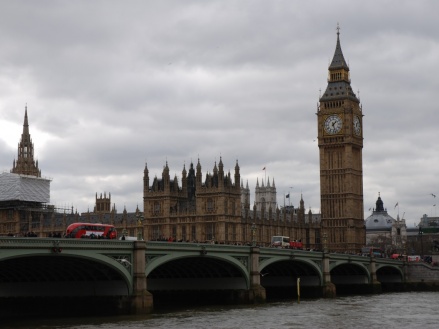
(156, 208)
(210, 204)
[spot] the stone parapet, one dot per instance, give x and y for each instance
(422, 272)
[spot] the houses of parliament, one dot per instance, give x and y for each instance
(215, 207)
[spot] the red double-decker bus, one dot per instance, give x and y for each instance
(296, 245)
(91, 231)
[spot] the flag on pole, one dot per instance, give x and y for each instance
(287, 196)
(263, 168)
(396, 205)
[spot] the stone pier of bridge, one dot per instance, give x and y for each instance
(141, 299)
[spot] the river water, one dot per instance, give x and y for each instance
(384, 311)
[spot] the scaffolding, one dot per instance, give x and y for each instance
(15, 187)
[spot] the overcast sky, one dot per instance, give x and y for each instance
(112, 85)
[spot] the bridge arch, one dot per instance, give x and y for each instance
(290, 269)
(348, 272)
(192, 271)
(36, 272)
(279, 273)
(389, 274)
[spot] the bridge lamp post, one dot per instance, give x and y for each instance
(405, 252)
(253, 228)
(422, 244)
(140, 219)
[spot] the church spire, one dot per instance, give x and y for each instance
(25, 164)
(26, 123)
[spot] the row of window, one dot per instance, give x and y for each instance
(335, 104)
(210, 207)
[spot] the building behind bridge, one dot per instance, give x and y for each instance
(216, 208)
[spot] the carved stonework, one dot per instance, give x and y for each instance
(243, 260)
(318, 263)
(124, 260)
(150, 258)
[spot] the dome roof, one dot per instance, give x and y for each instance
(380, 220)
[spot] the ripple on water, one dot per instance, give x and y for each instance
(396, 310)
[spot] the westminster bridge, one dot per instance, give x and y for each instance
(135, 271)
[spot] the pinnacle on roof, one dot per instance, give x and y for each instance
(339, 84)
(338, 60)
(26, 123)
(379, 204)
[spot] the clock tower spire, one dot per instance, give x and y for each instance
(340, 137)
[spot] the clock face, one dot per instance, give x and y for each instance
(357, 125)
(333, 124)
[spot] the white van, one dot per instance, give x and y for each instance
(128, 238)
(280, 241)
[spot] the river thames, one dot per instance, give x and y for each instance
(389, 310)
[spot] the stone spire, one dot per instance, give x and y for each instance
(25, 164)
(339, 82)
(338, 61)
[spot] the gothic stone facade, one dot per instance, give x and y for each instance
(217, 210)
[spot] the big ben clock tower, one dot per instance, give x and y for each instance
(340, 138)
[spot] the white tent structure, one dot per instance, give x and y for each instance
(15, 187)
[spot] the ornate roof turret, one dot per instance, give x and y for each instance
(237, 175)
(339, 83)
(379, 204)
(198, 174)
(25, 164)
(26, 123)
(221, 165)
(338, 61)
(175, 183)
(191, 182)
(380, 219)
(145, 180)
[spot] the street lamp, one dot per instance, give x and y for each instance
(253, 228)
(422, 244)
(140, 219)
(124, 233)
